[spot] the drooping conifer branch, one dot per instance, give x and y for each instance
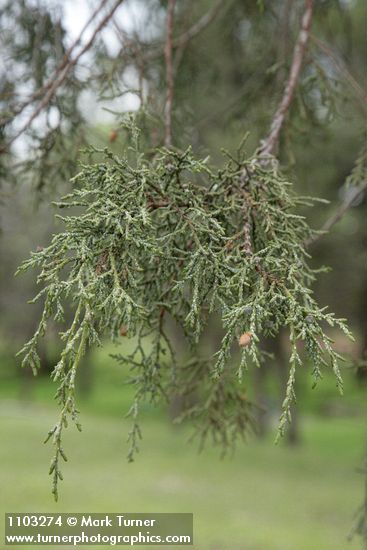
(167, 235)
(171, 234)
(65, 60)
(60, 77)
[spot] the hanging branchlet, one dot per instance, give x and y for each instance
(174, 237)
(220, 410)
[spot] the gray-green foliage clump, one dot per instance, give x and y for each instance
(170, 237)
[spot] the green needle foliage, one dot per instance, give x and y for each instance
(150, 239)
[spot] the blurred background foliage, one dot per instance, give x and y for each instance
(229, 76)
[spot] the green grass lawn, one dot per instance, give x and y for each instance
(264, 498)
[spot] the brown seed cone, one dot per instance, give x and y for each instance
(245, 339)
(123, 330)
(113, 136)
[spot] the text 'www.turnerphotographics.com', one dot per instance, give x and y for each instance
(99, 529)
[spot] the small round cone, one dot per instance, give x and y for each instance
(245, 339)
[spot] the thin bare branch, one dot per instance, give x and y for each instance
(341, 67)
(341, 211)
(62, 77)
(154, 51)
(200, 25)
(284, 34)
(169, 74)
(270, 142)
(205, 20)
